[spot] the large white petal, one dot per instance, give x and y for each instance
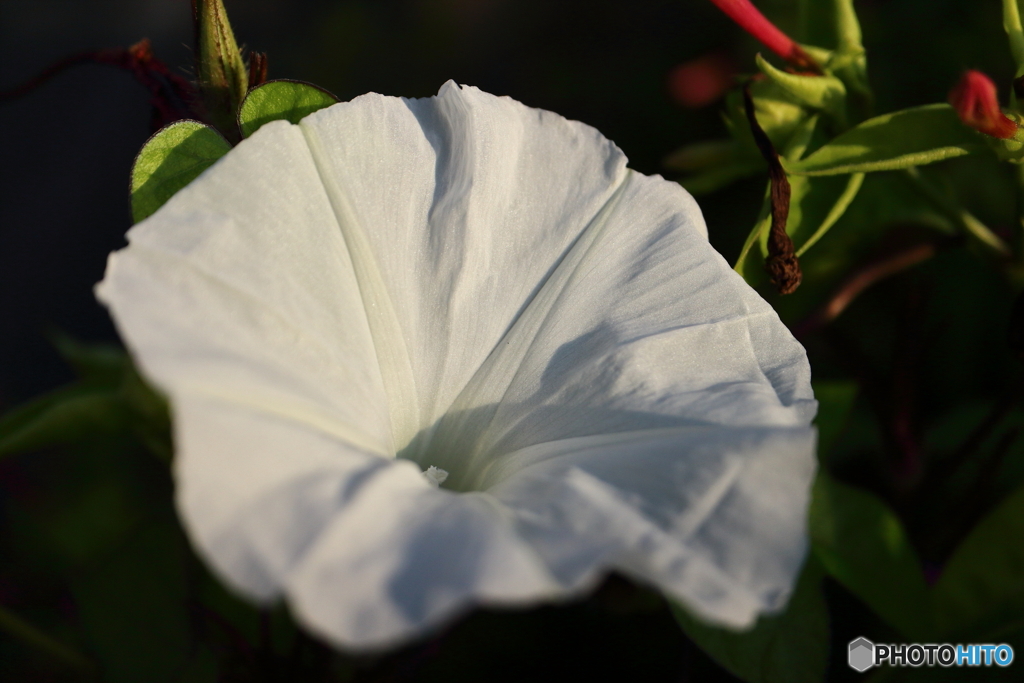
(456, 208)
(714, 516)
(476, 285)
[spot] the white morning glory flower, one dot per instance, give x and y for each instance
(427, 354)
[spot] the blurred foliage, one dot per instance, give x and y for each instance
(910, 273)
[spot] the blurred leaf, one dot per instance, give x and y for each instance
(716, 178)
(912, 137)
(982, 584)
(134, 608)
(103, 364)
(778, 114)
(62, 417)
(701, 155)
(835, 401)
(171, 159)
(281, 100)
(861, 543)
(788, 648)
(824, 93)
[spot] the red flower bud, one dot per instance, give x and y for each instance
(975, 102)
(755, 23)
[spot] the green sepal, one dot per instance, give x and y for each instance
(281, 100)
(981, 589)
(171, 159)
(220, 69)
(791, 647)
(862, 544)
(823, 93)
(911, 137)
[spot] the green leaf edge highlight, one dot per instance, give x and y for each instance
(159, 172)
(835, 213)
(813, 165)
(257, 108)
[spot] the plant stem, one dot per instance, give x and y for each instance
(20, 629)
(1015, 32)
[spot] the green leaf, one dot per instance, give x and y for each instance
(62, 417)
(982, 585)
(788, 648)
(98, 364)
(861, 543)
(824, 93)
(170, 160)
(809, 225)
(911, 137)
(835, 401)
(281, 100)
(709, 180)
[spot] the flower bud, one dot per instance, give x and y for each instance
(975, 102)
(753, 22)
(220, 69)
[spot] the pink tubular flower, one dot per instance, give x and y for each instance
(753, 22)
(974, 99)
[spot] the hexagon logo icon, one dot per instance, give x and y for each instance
(861, 655)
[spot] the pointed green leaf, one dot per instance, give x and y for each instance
(911, 137)
(170, 160)
(788, 648)
(96, 364)
(807, 229)
(65, 416)
(824, 93)
(281, 100)
(861, 543)
(982, 585)
(848, 34)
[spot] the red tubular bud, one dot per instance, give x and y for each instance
(974, 99)
(753, 22)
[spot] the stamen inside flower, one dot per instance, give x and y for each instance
(435, 476)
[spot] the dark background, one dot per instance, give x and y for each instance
(65, 154)
(67, 148)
